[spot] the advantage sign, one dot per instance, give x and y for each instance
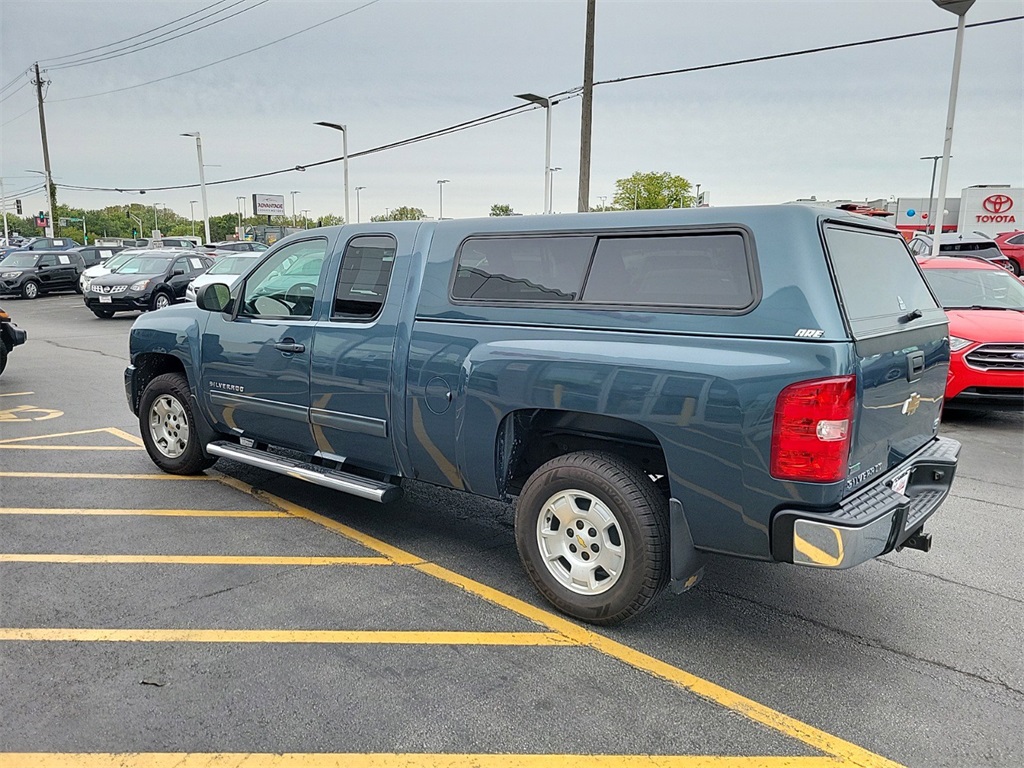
(269, 205)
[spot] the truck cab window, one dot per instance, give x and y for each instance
(365, 274)
(285, 284)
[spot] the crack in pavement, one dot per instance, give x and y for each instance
(951, 581)
(81, 349)
(878, 644)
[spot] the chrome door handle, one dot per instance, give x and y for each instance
(285, 346)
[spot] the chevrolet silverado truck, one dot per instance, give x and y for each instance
(649, 388)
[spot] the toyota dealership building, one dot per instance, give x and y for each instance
(986, 208)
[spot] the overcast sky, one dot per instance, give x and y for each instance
(846, 124)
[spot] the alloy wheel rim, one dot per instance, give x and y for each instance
(168, 426)
(161, 301)
(581, 542)
(31, 291)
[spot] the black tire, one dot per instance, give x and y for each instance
(168, 426)
(78, 287)
(30, 289)
(3, 356)
(104, 314)
(1015, 267)
(161, 299)
(639, 527)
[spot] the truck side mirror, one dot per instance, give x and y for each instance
(215, 297)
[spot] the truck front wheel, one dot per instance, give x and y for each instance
(168, 427)
(592, 533)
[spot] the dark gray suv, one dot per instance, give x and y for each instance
(27, 273)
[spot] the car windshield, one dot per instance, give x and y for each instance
(980, 288)
(231, 265)
(114, 262)
(145, 265)
(20, 260)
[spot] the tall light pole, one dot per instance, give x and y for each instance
(547, 104)
(344, 157)
(551, 187)
(440, 197)
(960, 8)
(359, 217)
(931, 190)
(293, 193)
(602, 198)
(305, 218)
(192, 214)
(696, 197)
(240, 200)
(202, 182)
(156, 223)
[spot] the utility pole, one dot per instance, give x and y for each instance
(3, 204)
(38, 83)
(586, 121)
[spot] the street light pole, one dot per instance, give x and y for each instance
(696, 198)
(156, 223)
(359, 217)
(602, 198)
(931, 190)
(551, 187)
(293, 193)
(305, 218)
(202, 182)
(240, 200)
(192, 214)
(440, 197)
(960, 8)
(344, 157)
(547, 104)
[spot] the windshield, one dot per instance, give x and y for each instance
(231, 265)
(20, 260)
(114, 262)
(145, 265)
(965, 288)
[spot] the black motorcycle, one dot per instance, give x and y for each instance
(10, 337)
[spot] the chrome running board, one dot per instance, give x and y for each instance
(363, 487)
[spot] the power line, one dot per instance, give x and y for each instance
(502, 114)
(8, 122)
(140, 34)
(221, 61)
(5, 98)
(804, 52)
(155, 41)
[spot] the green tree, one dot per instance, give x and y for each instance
(652, 190)
(502, 209)
(404, 213)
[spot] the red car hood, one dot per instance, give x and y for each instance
(996, 325)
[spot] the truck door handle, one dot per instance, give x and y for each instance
(290, 346)
(915, 365)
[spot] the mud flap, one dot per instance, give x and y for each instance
(687, 564)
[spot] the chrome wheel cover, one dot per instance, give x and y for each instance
(581, 542)
(168, 426)
(162, 301)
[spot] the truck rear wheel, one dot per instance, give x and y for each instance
(168, 426)
(592, 533)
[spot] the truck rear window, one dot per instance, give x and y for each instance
(879, 281)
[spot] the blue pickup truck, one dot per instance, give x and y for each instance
(650, 388)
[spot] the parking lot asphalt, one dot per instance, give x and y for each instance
(245, 618)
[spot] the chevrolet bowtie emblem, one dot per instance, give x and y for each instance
(910, 405)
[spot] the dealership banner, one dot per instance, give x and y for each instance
(992, 209)
(268, 205)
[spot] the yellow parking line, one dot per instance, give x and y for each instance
(71, 447)
(15, 394)
(321, 636)
(759, 713)
(191, 559)
(102, 476)
(395, 760)
(274, 513)
(109, 430)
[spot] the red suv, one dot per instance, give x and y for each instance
(1012, 246)
(985, 307)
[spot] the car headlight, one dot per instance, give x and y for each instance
(86, 284)
(956, 343)
(140, 286)
(9, 275)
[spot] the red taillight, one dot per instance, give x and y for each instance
(812, 431)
